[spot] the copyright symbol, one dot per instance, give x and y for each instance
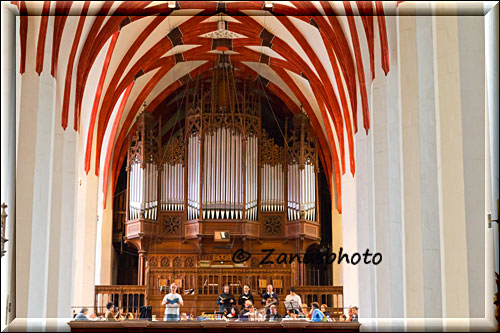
(240, 256)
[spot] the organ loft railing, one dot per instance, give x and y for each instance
(222, 171)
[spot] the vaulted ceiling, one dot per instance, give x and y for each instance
(110, 57)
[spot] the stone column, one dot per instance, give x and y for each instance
(451, 191)
(8, 159)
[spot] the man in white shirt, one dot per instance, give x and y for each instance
(293, 302)
(172, 301)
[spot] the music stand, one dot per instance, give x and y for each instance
(292, 306)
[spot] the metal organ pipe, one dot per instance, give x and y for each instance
(301, 192)
(251, 178)
(223, 172)
(193, 177)
(272, 191)
(172, 187)
(143, 195)
(222, 185)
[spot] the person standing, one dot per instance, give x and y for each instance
(172, 302)
(247, 295)
(225, 300)
(269, 298)
(293, 301)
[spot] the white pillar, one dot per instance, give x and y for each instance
(365, 223)
(451, 170)
(349, 237)
(472, 98)
(409, 80)
(431, 243)
(8, 157)
(394, 166)
(491, 47)
(492, 148)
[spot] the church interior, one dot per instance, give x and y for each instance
(163, 159)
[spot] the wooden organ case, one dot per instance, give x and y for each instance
(222, 173)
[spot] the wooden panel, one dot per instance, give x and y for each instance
(213, 326)
(208, 227)
(191, 230)
(130, 297)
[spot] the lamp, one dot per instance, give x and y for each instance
(268, 4)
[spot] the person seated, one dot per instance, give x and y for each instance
(225, 300)
(247, 295)
(304, 313)
(82, 315)
(342, 317)
(326, 313)
(274, 315)
(252, 314)
(244, 312)
(349, 313)
(184, 316)
(291, 315)
(317, 315)
(269, 298)
(262, 314)
(93, 316)
(354, 314)
(119, 313)
(129, 316)
(110, 312)
(293, 301)
(233, 314)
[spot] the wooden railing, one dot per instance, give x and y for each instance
(332, 296)
(209, 281)
(130, 297)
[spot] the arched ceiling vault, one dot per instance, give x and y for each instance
(309, 54)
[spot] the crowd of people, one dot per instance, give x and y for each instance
(113, 313)
(243, 309)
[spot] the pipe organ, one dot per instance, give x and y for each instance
(143, 171)
(221, 172)
(222, 166)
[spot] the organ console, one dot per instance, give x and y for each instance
(221, 171)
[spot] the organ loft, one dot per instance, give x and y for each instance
(218, 182)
